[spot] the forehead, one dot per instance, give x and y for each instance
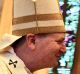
(57, 35)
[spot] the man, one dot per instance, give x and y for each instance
(42, 42)
(44, 49)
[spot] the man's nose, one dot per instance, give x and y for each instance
(63, 48)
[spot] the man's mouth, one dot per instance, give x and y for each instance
(58, 56)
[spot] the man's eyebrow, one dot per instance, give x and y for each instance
(62, 39)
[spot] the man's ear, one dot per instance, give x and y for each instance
(31, 41)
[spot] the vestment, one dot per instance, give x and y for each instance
(10, 63)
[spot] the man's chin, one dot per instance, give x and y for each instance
(56, 63)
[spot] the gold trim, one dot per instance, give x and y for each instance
(53, 29)
(23, 32)
(40, 17)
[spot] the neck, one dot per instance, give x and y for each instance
(23, 52)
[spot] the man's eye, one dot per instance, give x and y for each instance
(60, 42)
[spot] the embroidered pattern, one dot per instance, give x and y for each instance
(14, 63)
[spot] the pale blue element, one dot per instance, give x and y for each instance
(63, 71)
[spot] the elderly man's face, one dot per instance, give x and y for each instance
(42, 51)
(48, 49)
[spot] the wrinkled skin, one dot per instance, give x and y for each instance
(41, 51)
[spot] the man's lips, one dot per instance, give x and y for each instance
(58, 55)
